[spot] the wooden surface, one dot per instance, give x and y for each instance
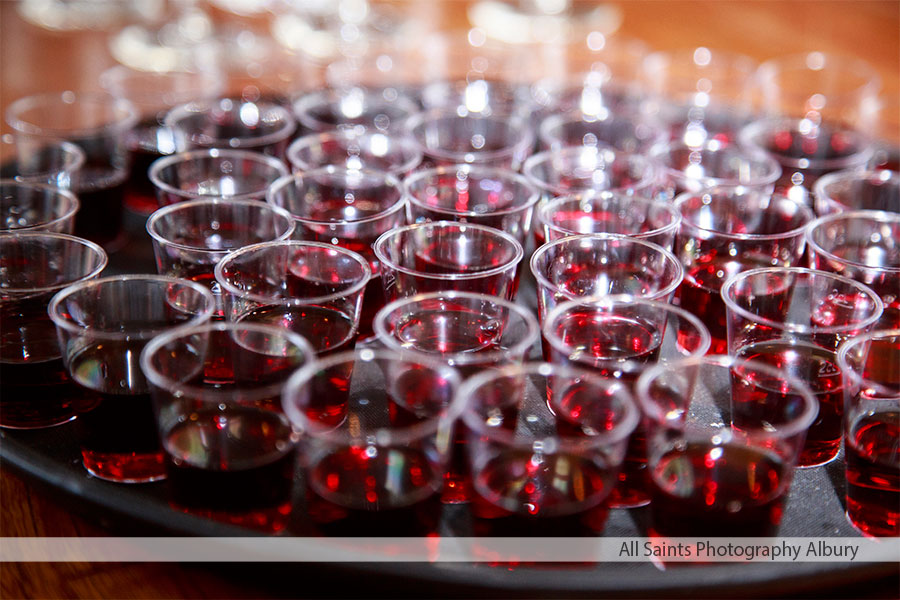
(33, 60)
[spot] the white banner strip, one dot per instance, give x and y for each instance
(446, 549)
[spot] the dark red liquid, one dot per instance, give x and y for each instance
(417, 520)
(235, 466)
(702, 490)
(328, 331)
(37, 390)
(560, 486)
(838, 147)
(102, 207)
(873, 474)
(140, 193)
(817, 367)
(39, 394)
(119, 437)
(700, 292)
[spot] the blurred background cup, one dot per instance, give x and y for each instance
(713, 163)
(610, 212)
(99, 124)
(619, 337)
(724, 232)
(444, 256)
(233, 123)
(376, 471)
(545, 445)
(36, 160)
(36, 207)
(863, 245)
(37, 390)
(857, 190)
(498, 198)
(313, 289)
(153, 94)
(449, 138)
(871, 367)
(820, 112)
(228, 447)
(806, 150)
(821, 88)
(356, 109)
(700, 94)
(231, 174)
(348, 208)
(723, 436)
(471, 74)
(393, 153)
(627, 130)
(602, 264)
(794, 320)
(190, 238)
(103, 325)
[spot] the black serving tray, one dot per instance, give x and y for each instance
(50, 458)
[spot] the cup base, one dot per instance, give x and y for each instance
(125, 468)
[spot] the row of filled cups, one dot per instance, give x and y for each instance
(376, 425)
(118, 134)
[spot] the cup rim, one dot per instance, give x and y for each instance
(749, 134)
(65, 324)
(651, 411)
(732, 306)
(387, 179)
(378, 248)
(648, 180)
(383, 436)
(681, 199)
(359, 286)
(168, 384)
(772, 170)
(472, 169)
(165, 211)
(200, 107)
(153, 173)
(457, 358)
(73, 159)
(103, 260)
(301, 106)
(71, 206)
(874, 215)
(625, 300)
(589, 195)
(128, 120)
(842, 354)
(320, 138)
(114, 81)
(565, 444)
(511, 120)
(666, 255)
(820, 187)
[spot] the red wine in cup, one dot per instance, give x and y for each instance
(873, 473)
(235, 466)
(120, 441)
(701, 490)
(329, 331)
(100, 217)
